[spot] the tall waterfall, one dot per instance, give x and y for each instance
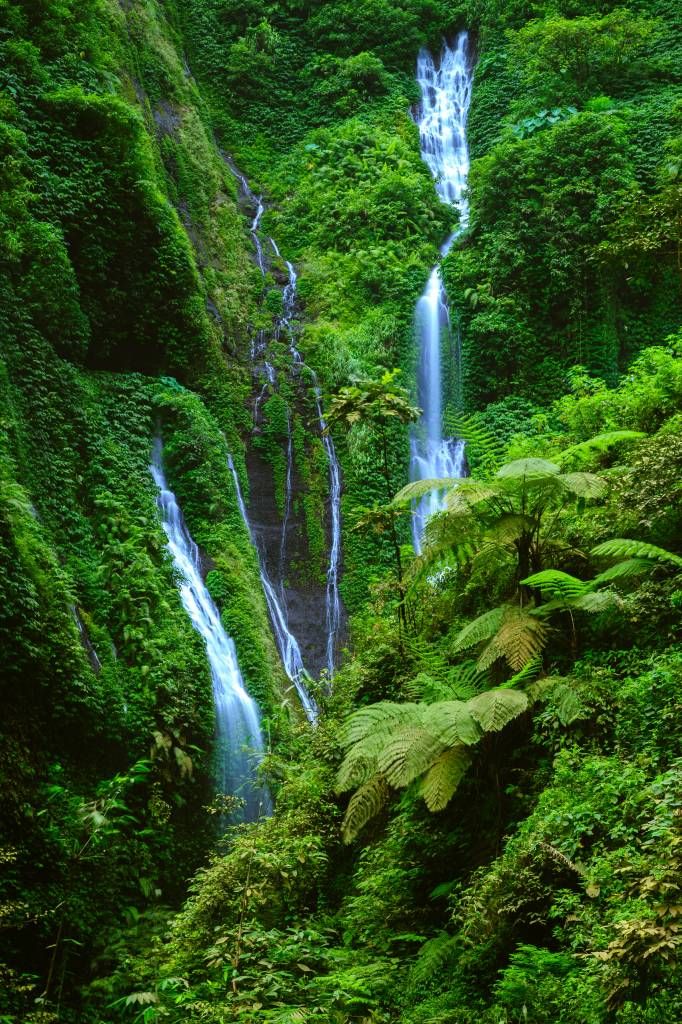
(442, 115)
(240, 740)
(287, 644)
(263, 369)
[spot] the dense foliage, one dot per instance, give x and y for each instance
(484, 825)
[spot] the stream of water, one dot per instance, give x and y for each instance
(285, 324)
(287, 644)
(445, 86)
(240, 740)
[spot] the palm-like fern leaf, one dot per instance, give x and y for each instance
(364, 804)
(583, 485)
(599, 601)
(408, 754)
(496, 708)
(529, 467)
(452, 723)
(443, 777)
(520, 639)
(623, 570)
(527, 674)
(418, 488)
(480, 629)
(599, 444)
(377, 719)
(554, 582)
(623, 547)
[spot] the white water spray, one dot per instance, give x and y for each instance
(442, 117)
(240, 740)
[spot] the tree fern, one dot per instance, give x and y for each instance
(583, 485)
(597, 602)
(433, 957)
(624, 570)
(443, 777)
(482, 445)
(624, 548)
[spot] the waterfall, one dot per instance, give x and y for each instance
(441, 117)
(240, 740)
(332, 599)
(287, 645)
(285, 323)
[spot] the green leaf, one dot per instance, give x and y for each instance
(442, 779)
(494, 709)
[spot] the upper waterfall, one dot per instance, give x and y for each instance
(445, 87)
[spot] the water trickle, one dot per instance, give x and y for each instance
(287, 645)
(441, 117)
(285, 324)
(240, 740)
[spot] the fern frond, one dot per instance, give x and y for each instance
(623, 570)
(583, 485)
(554, 582)
(443, 778)
(527, 674)
(600, 601)
(377, 719)
(480, 629)
(508, 528)
(599, 444)
(464, 681)
(364, 805)
(528, 467)
(407, 755)
(452, 723)
(418, 488)
(360, 762)
(623, 547)
(496, 708)
(470, 493)
(520, 638)
(568, 705)
(432, 958)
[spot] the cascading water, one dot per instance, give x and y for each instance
(240, 740)
(285, 323)
(441, 117)
(287, 645)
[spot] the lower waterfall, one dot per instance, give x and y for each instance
(240, 744)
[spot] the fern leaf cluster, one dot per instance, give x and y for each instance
(515, 635)
(390, 746)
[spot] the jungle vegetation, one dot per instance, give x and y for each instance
(485, 826)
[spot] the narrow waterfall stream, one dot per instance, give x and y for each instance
(240, 740)
(264, 371)
(287, 644)
(442, 115)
